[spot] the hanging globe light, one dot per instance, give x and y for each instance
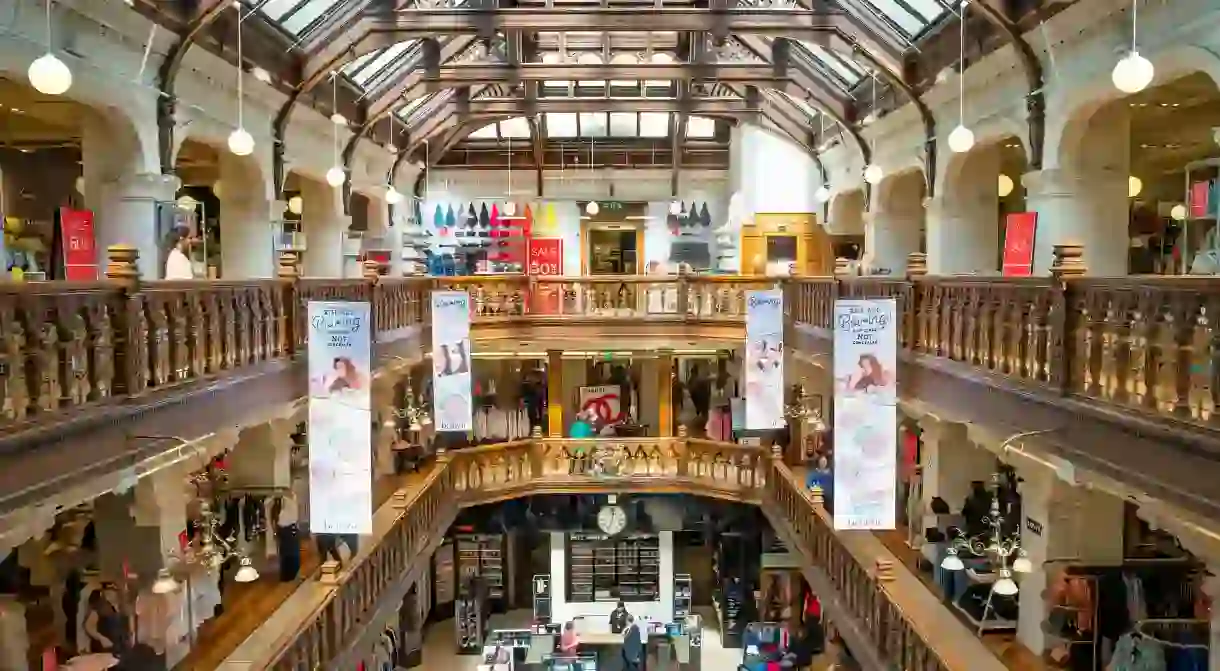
(216, 188)
(961, 140)
(1178, 212)
(338, 119)
(1133, 73)
(392, 196)
(186, 203)
(49, 75)
(79, 185)
(822, 194)
(1134, 186)
(1005, 185)
(241, 143)
(873, 173)
(296, 205)
(336, 176)
(592, 208)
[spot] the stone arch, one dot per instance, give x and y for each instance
(965, 221)
(847, 213)
(895, 225)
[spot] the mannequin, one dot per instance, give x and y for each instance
(107, 627)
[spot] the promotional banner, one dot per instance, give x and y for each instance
(866, 414)
(80, 245)
(451, 392)
(1020, 231)
(546, 260)
(765, 359)
(340, 418)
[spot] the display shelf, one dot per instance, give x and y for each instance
(602, 568)
(682, 595)
(483, 555)
(446, 575)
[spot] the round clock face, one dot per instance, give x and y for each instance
(611, 519)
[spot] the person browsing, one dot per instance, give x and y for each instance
(569, 641)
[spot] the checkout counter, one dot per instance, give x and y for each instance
(676, 646)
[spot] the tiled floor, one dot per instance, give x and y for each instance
(439, 647)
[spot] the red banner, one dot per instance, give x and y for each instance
(80, 246)
(1020, 230)
(1199, 195)
(546, 260)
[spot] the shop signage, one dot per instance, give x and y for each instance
(1033, 526)
(1020, 232)
(865, 413)
(765, 359)
(546, 257)
(604, 401)
(340, 417)
(79, 244)
(451, 356)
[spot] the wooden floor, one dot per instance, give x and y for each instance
(249, 606)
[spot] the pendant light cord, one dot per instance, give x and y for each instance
(876, 117)
(49, 37)
(241, 118)
(334, 106)
(1135, 14)
(961, 75)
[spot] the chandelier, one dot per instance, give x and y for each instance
(211, 551)
(800, 409)
(1005, 552)
(415, 411)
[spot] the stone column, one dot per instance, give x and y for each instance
(663, 379)
(554, 393)
(385, 404)
(963, 235)
(126, 213)
(325, 226)
(892, 231)
(246, 214)
(262, 456)
(1083, 198)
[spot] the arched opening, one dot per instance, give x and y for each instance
(316, 228)
(846, 226)
(1141, 171)
(896, 224)
(61, 163)
(971, 221)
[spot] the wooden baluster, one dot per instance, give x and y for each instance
(176, 313)
(1037, 355)
(1179, 324)
(75, 360)
(1142, 332)
(1202, 363)
(1068, 323)
(13, 356)
(102, 340)
(131, 341)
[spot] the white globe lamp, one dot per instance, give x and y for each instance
(1134, 186)
(186, 203)
(1006, 185)
(961, 140)
(241, 143)
(1178, 212)
(1022, 565)
(822, 194)
(1005, 586)
(79, 185)
(1133, 73)
(675, 208)
(873, 173)
(592, 208)
(296, 205)
(336, 176)
(49, 75)
(338, 119)
(952, 562)
(392, 196)
(216, 189)
(510, 209)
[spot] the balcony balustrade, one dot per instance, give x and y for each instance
(864, 577)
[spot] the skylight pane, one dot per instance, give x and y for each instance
(592, 124)
(364, 74)
(487, 132)
(654, 124)
(805, 107)
(622, 124)
(406, 110)
(296, 22)
(276, 9)
(930, 10)
(516, 127)
(561, 124)
(700, 127)
(838, 66)
(913, 25)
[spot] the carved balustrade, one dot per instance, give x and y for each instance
(618, 297)
(1147, 344)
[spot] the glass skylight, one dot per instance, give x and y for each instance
(912, 16)
(367, 70)
(515, 128)
(296, 16)
(840, 68)
(408, 109)
(592, 124)
(487, 132)
(654, 124)
(561, 124)
(700, 127)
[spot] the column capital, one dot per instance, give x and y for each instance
(147, 186)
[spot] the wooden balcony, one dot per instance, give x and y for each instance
(1121, 372)
(889, 619)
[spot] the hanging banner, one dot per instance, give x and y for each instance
(866, 414)
(605, 401)
(451, 394)
(765, 359)
(340, 418)
(1020, 231)
(79, 245)
(545, 259)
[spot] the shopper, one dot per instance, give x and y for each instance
(633, 646)
(569, 641)
(177, 264)
(618, 618)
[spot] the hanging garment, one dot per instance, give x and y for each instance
(153, 620)
(1136, 653)
(705, 217)
(450, 218)
(438, 219)
(289, 540)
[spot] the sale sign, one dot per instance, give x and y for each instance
(80, 246)
(1020, 229)
(545, 259)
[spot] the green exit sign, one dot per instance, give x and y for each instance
(610, 205)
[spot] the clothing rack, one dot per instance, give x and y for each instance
(1160, 630)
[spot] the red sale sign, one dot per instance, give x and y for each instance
(545, 259)
(1020, 230)
(80, 246)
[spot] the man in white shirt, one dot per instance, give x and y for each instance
(177, 264)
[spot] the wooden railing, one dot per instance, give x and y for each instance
(1148, 344)
(495, 472)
